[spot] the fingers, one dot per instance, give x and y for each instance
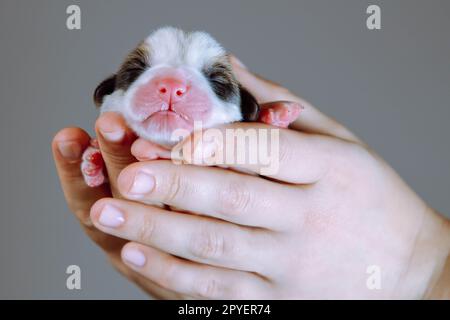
(261, 149)
(188, 236)
(153, 289)
(115, 140)
(215, 192)
(147, 150)
(193, 279)
(67, 147)
(311, 120)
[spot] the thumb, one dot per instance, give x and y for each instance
(67, 147)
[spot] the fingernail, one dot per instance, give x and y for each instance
(134, 257)
(113, 136)
(70, 150)
(111, 217)
(239, 62)
(143, 183)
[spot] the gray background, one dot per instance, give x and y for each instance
(392, 87)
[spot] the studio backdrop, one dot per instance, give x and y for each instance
(390, 84)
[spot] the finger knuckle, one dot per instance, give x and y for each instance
(115, 156)
(146, 230)
(207, 288)
(176, 188)
(210, 244)
(234, 199)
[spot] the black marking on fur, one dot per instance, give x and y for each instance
(222, 81)
(135, 64)
(106, 87)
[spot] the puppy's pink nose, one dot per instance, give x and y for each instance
(171, 90)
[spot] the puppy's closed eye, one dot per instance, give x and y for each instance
(222, 81)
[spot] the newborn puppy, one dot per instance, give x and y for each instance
(170, 80)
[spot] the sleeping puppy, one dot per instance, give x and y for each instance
(169, 81)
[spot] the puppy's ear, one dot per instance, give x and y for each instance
(249, 107)
(106, 87)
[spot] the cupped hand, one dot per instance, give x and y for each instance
(115, 140)
(331, 213)
(334, 221)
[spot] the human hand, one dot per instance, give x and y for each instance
(115, 140)
(311, 230)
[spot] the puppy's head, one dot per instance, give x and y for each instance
(172, 79)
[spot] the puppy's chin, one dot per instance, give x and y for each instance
(165, 128)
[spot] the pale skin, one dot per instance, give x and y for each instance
(310, 231)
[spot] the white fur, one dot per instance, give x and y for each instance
(187, 53)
